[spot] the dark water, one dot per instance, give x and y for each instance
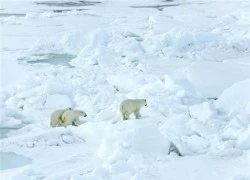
(54, 59)
(8, 15)
(11, 160)
(132, 35)
(67, 10)
(68, 3)
(158, 7)
(5, 130)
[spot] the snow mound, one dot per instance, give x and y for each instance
(132, 137)
(235, 99)
(216, 75)
(244, 140)
(92, 132)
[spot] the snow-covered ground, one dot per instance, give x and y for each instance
(189, 58)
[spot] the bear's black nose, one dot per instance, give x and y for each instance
(145, 104)
(85, 115)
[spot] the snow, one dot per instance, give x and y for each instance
(189, 59)
(62, 101)
(236, 98)
(243, 142)
(130, 137)
(216, 76)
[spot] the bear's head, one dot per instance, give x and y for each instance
(80, 113)
(143, 102)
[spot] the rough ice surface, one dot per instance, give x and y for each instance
(189, 59)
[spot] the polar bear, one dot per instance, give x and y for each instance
(55, 118)
(71, 117)
(130, 106)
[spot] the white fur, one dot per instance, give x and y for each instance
(55, 118)
(71, 117)
(130, 106)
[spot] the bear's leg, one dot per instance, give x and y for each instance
(74, 124)
(65, 124)
(52, 124)
(57, 123)
(137, 113)
(77, 122)
(125, 116)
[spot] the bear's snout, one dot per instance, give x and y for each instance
(146, 104)
(85, 115)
